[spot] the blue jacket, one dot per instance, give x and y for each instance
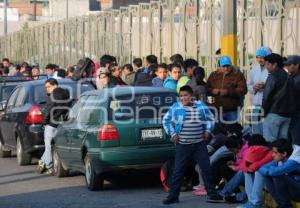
(170, 83)
(291, 167)
(174, 118)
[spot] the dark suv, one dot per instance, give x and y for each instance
(21, 125)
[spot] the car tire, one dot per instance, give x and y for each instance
(93, 181)
(59, 169)
(23, 158)
(3, 152)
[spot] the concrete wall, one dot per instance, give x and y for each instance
(57, 8)
(116, 4)
(11, 27)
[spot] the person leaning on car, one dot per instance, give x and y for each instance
(54, 109)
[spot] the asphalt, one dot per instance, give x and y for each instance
(22, 187)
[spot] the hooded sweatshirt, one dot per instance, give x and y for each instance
(290, 167)
(255, 157)
(170, 83)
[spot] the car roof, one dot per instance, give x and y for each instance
(119, 91)
(16, 79)
(42, 82)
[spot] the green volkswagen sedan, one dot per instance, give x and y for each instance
(113, 130)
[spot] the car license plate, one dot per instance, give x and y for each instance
(152, 134)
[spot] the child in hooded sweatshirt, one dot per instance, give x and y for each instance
(255, 157)
(231, 192)
(282, 175)
(174, 75)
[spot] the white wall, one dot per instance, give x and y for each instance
(57, 8)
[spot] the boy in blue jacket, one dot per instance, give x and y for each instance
(190, 124)
(282, 175)
(174, 75)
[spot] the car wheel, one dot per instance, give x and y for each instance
(23, 158)
(4, 152)
(59, 169)
(93, 181)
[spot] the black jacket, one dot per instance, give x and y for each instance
(297, 93)
(56, 106)
(275, 82)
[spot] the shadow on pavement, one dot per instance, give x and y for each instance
(17, 174)
(25, 179)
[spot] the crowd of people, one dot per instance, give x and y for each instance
(205, 123)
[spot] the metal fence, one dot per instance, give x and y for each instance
(190, 27)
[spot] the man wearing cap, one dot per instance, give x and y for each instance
(293, 66)
(278, 99)
(256, 83)
(226, 85)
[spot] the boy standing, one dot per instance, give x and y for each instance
(190, 124)
(161, 74)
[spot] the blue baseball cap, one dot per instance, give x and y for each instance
(263, 52)
(224, 61)
(295, 59)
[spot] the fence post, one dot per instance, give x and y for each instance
(229, 33)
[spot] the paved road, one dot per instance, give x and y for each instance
(21, 187)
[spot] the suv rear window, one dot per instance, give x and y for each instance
(142, 106)
(40, 95)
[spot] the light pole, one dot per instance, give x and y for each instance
(5, 18)
(229, 33)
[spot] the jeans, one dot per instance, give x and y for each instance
(275, 127)
(295, 130)
(256, 121)
(184, 154)
(233, 186)
(48, 136)
(231, 116)
(283, 189)
(254, 184)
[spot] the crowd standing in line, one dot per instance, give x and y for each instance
(204, 124)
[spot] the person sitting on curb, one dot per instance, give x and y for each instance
(282, 175)
(256, 156)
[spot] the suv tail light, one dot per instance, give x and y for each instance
(108, 132)
(34, 115)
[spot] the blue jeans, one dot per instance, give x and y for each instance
(283, 189)
(184, 154)
(295, 129)
(256, 121)
(231, 116)
(275, 127)
(48, 136)
(254, 184)
(233, 185)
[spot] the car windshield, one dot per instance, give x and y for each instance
(142, 106)
(40, 95)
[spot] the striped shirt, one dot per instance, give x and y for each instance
(192, 129)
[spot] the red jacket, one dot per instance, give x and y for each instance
(255, 157)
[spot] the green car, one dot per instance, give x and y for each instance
(112, 130)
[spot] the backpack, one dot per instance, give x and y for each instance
(166, 174)
(83, 65)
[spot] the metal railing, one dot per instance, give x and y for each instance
(189, 27)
